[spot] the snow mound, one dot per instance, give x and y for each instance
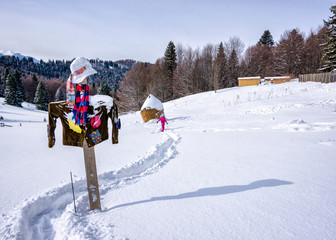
(152, 103)
(297, 121)
(299, 125)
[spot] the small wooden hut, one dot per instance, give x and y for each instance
(151, 109)
(279, 79)
(248, 81)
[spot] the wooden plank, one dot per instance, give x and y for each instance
(91, 176)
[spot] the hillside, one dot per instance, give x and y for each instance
(254, 162)
(107, 71)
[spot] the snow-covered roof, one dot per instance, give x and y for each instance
(152, 102)
(246, 78)
(281, 77)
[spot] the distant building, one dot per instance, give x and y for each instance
(252, 81)
(278, 79)
(248, 81)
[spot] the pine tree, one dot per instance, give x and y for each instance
(34, 78)
(233, 68)
(104, 89)
(220, 78)
(20, 94)
(14, 92)
(3, 83)
(59, 95)
(329, 48)
(11, 90)
(41, 99)
(266, 39)
(169, 67)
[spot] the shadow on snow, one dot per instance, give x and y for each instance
(212, 191)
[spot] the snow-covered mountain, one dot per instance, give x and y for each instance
(18, 55)
(253, 162)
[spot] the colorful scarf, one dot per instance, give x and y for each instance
(81, 104)
(70, 92)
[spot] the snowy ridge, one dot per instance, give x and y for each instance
(37, 217)
(18, 55)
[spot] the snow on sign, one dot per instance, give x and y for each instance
(151, 109)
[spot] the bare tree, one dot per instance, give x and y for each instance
(133, 89)
(197, 72)
(183, 81)
(259, 60)
(236, 44)
(313, 52)
(156, 83)
(289, 53)
(208, 58)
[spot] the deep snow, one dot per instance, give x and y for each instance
(253, 162)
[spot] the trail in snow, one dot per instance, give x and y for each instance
(36, 218)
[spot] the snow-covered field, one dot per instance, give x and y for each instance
(254, 162)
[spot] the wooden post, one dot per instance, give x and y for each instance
(91, 176)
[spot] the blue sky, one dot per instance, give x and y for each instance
(141, 30)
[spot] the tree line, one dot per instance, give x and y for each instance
(107, 71)
(38, 92)
(20, 79)
(183, 71)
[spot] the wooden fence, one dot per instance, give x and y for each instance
(318, 77)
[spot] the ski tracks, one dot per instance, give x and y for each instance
(51, 215)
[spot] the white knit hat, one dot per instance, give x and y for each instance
(80, 69)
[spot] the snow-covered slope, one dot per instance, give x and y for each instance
(243, 163)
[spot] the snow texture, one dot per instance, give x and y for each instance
(255, 162)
